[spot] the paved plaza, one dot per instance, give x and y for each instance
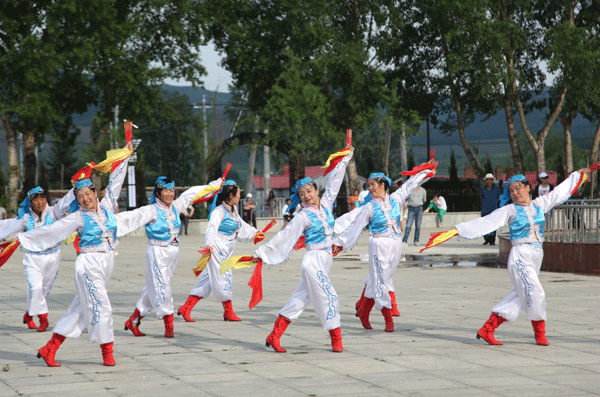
(444, 297)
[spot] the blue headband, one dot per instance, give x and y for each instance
(25, 206)
(295, 199)
(505, 196)
(380, 175)
(213, 205)
(160, 183)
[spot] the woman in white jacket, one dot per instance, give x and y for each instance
(525, 218)
(161, 218)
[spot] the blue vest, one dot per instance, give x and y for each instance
(163, 231)
(30, 225)
(526, 229)
(319, 234)
(229, 225)
(381, 224)
(94, 237)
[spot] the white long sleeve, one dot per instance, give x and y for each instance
(128, 221)
(11, 226)
(62, 207)
(336, 177)
(486, 224)
(216, 217)
(46, 237)
(115, 183)
(349, 232)
(185, 199)
(559, 194)
(401, 194)
(281, 245)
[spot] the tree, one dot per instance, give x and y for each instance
(332, 41)
(63, 161)
(434, 48)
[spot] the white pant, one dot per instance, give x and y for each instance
(161, 263)
(384, 258)
(91, 307)
(211, 279)
(527, 294)
(315, 288)
(40, 271)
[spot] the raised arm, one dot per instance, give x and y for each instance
(281, 245)
(62, 207)
(559, 194)
(335, 182)
(115, 183)
(45, 237)
(185, 199)
(410, 186)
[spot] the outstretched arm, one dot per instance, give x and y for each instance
(335, 181)
(560, 193)
(281, 245)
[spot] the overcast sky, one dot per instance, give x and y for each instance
(218, 79)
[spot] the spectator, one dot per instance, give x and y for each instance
(269, 203)
(415, 213)
(353, 201)
(185, 218)
(438, 205)
(543, 187)
(248, 211)
(363, 194)
(490, 195)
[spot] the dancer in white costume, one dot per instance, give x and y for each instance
(225, 226)
(316, 222)
(162, 222)
(525, 218)
(41, 268)
(381, 212)
(96, 225)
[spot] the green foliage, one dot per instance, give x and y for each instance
(171, 142)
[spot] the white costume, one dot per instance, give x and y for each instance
(526, 225)
(41, 268)
(162, 228)
(317, 226)
(385, 237)
(224, 227)
(91, 307)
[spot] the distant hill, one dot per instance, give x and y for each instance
(489, 135)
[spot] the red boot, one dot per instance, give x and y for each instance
(395, 311)
(43, 322)
(487, 331)
(168, 326)
(336, 340)
(360, 303)
(186, 309)
(229, 315)
(107, 354)
(27, 319)
(49, 351)
(135, 327)
(279, 328)
(389, 321)
(539, 329)
(363, 313)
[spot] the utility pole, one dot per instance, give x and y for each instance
(205, 139)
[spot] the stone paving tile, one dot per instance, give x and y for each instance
(433, 351)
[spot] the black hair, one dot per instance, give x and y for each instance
(227, 191)
(158, 189)
(43, 194)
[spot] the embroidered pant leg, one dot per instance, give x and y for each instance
(383, 254)
(92, 273)
(527, 294)
(40, 272)
(317, 287)
(161, 263)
